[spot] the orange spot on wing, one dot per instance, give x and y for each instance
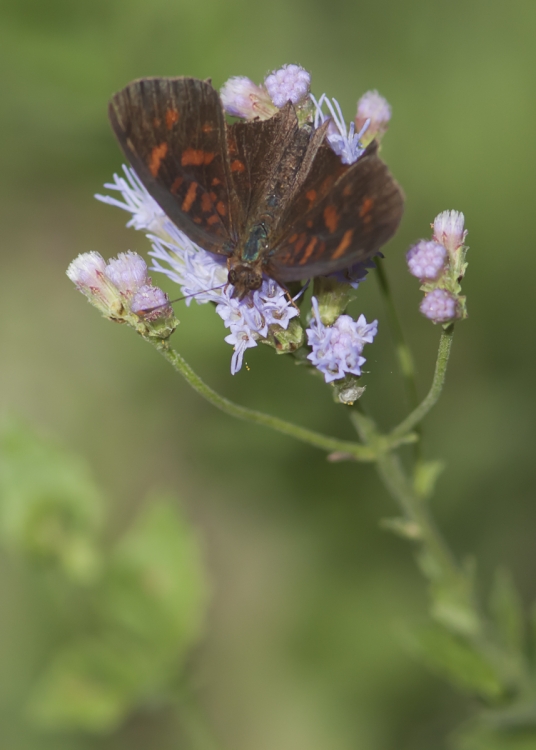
(207, 127)
(343, 244)
(221, 208)
(311, 195)
(237, 166)
(310, 223)
(172, 116)
(213, 219)
(197, 220)
(175, 185)
(206, 203)
(213, 196)
(157, 154)
(366, 206)
(189, 198)
(308, 251)
(215, 182)
(197, 157)
(331, 218)
(302, 239)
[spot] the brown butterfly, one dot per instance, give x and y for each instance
(270, 195)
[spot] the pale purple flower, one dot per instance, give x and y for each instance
(337, 349)
(127, 272)
(427, 260)
(146, 213)
(439, 306)
(243, 98)
(373, 110)
(289, 83)
(449, 231)
(88, 273)
(345, 142)
(151, 303)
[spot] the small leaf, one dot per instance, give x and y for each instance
(453, 658)
(156, 588)
(426, 475)
(50, 507)
(402, 527)
(507, 611)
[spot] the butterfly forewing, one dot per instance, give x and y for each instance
(344, 224)
(173, 132)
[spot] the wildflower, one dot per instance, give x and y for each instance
(289, 83)
(88, 273)
(373, 113)
(337, 349)
(243, 98)
(439, 306)
(146, 213)
(127, 272)
(449, 231)
(427, 260)
(346, 143)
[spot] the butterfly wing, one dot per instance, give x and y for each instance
(173, 132)
(341, 216)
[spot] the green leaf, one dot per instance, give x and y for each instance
(156, 587)
(402, 527)
(507, 611)
(426, 476)
(89, 685)
(50, 508)
(149, 611)
(453, 658)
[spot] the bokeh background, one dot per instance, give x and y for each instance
(304, 642)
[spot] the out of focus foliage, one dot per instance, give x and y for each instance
(128, 613)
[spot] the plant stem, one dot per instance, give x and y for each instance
(413, 419)
(403, 352)
(318, 440)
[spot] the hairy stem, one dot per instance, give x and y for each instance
(324, 442)
(416, 416)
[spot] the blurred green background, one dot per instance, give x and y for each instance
(303, 647)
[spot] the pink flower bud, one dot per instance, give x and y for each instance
(373, 107)
(242, 98)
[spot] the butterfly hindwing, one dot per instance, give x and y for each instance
(345, 224)
(173, 132)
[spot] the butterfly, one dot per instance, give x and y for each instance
(271, 195)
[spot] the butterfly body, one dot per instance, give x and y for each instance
(270, 195)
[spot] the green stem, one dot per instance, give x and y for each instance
(413, 419)
(403, 352)
(324, 442)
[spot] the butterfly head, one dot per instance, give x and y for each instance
(245, 277)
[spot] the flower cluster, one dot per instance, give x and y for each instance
(336, 350)
(121, 288)
(440, 265)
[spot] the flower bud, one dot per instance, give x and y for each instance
(150, 303)
(449, 231)
(88, 273)
(289, 83)
(285, 340)
(427, 260)
(155, 315)
(242, 98)
(439, 306)
(372, 107)
(127, 272)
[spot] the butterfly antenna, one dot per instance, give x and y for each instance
(179, 299)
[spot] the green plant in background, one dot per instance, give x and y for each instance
(127, 614)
